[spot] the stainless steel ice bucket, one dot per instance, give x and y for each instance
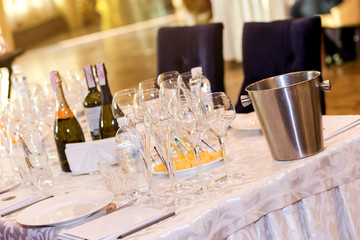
(289, 110)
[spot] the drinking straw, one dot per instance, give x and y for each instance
(179, 151)
(180, 144)
(162, 160)
(208, 145)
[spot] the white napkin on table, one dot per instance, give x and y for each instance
(83, 157)
(14, 200)
(119, 223)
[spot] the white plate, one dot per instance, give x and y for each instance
(65, 208)
(246, 121)
(190, 170)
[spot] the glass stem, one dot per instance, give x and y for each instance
(222, 146)
(199, 165)
(147, 141)
(170, 162)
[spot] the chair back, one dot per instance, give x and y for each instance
(182, 48)
(279, 47)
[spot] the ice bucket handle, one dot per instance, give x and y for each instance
(245, 100)
(324, 85)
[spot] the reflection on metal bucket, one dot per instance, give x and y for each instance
(289, 110)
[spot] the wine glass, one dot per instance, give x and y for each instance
(122, 103)
(148, 84)
(159, 126)
(220, 113)
(190, 124)
(10, 123)
(74, 91)
(187, 81)
(167, 75)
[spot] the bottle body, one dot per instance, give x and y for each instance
(107, 124)
(92, 104)
(66, 127)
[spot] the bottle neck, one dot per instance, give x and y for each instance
(106, 97)
(62, 108)
(90, 81)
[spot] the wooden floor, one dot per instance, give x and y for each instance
(129, 53)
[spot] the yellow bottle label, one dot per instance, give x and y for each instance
(64, 114)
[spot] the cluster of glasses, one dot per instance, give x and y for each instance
(173, 108)
(26, 129)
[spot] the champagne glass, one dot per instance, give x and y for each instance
(220, 113)
(190, 124)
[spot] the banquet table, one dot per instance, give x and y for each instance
(316, 197)
(234, 13)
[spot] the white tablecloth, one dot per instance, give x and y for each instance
(234, 13)
(311, 198)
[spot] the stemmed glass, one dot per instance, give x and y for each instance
(10, 123)
(187, 81)
(190, 124)
(148, 84)
(122, 103)
(159, 125)
(220, 113)
(167, 75)
(123, 111)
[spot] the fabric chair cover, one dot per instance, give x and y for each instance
(182, 48)
(279, 47)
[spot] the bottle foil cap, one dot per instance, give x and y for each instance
(54, 79)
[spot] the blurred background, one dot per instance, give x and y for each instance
(65, 35)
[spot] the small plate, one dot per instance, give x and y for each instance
(190, 170)
(65, 208)
(246, 121)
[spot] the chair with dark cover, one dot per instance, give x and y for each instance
(279, 47)
(182, 48)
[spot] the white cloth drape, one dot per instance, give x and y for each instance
(234, 13)
(333, 214)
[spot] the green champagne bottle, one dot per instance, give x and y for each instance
(108, 124)
(66, 128)
(92, 104)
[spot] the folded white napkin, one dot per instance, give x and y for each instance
(83, 157)
(14, 200)
(119, 223)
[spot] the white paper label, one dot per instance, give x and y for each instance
(93, 116)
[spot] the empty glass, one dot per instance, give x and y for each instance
(133, 164)
(190, 124)
(122, 102)
(113, 175)
(220, 113)
(36, 157)
(167, 75)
